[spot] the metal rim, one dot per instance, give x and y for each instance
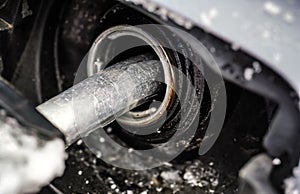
(97, 61)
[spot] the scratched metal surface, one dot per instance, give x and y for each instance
(99, 98)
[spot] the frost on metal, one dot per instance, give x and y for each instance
(27, 163)
(98, 100)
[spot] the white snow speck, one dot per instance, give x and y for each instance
(257, 67)
(101, 140)
(235, 14)
(235, 46)
(129, 192)
(277, 57)
(266, 34)
(272, 8)
(248, 73)
(208, 17)
(79, 142)
(289, 17)
(171, 176)
(292, 184)
(276, 161)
